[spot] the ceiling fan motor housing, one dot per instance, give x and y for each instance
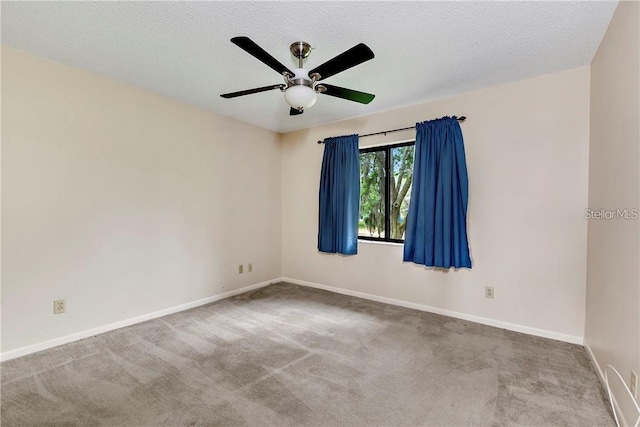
(301, 78)
(299, 93)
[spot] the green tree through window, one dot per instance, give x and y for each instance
(385, 188)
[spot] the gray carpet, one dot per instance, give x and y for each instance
(288, 355)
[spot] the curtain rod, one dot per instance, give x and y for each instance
(384, 132)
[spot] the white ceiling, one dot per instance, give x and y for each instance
(424, 50)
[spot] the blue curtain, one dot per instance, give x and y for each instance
(436, 233)
(339, 196)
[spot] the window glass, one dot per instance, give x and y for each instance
(385, 189)
(372, 194)
(402, 175)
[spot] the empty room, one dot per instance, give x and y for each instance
(318, 213)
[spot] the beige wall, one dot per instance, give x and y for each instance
(124, 202)
(613, 273)
(527, 156)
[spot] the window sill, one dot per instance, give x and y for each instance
(374, 242)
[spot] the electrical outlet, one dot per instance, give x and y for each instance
(59, 306)
(488, 292)
(634, 385)
(249, 267)
(240, 269)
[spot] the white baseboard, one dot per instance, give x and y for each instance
(612, 399)
(23, 351)
(603, 382)
(477, 319)
(594, 363)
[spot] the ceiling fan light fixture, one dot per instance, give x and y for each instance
(300, 96)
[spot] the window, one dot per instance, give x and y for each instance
(385, 189)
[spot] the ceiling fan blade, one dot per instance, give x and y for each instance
(250, 91)
(350, 94)
(350, 58)
(253, 49)
(295, 112)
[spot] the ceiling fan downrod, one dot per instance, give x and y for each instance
(300, 50)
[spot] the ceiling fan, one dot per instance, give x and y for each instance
(301, 85)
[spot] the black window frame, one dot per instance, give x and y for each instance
(387, 183)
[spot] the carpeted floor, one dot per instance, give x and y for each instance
(288, 355)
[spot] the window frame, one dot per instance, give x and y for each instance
(387, 185)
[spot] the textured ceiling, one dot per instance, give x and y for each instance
(424, 50)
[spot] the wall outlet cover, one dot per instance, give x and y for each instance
(59, 306)
(488, 292)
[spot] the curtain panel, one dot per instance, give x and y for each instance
(436, 233)
(339, 196)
